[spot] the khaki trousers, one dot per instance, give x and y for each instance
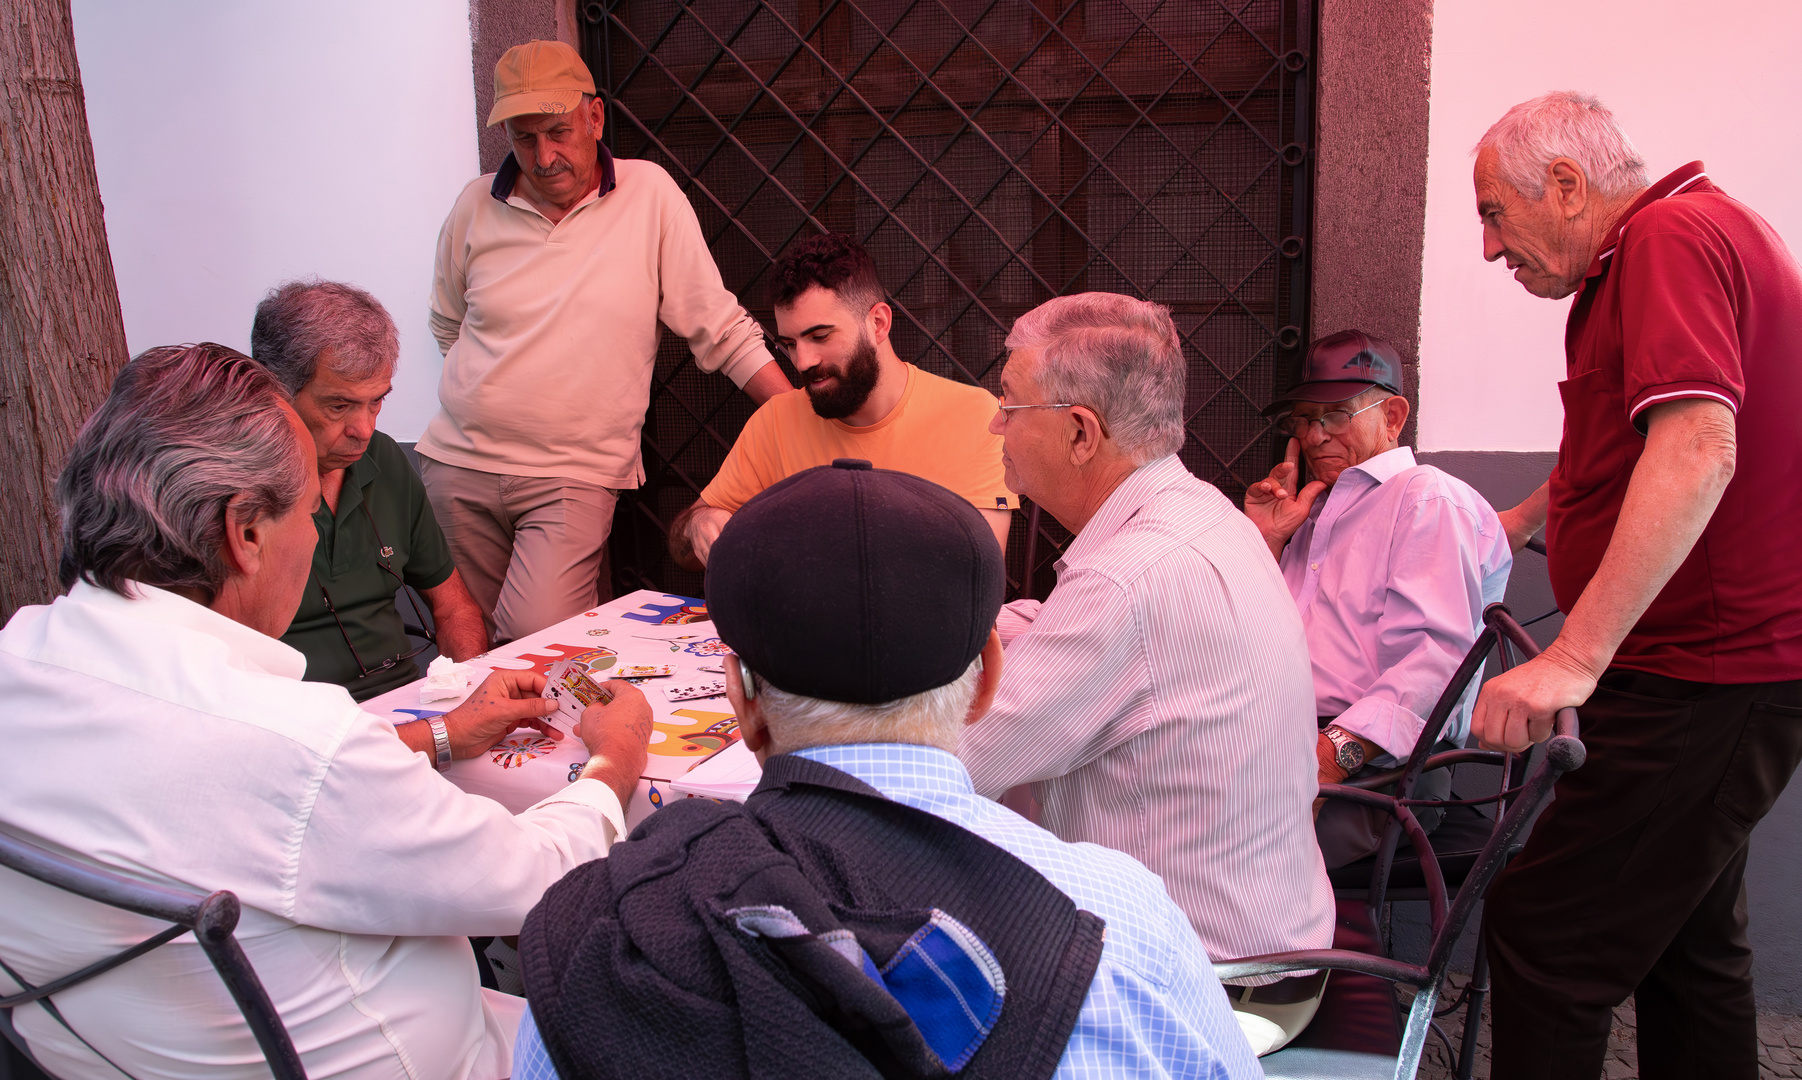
(528, 547)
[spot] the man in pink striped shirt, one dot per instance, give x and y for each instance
(1160, 700)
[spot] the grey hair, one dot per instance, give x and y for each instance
(300, 320)
(930, 718)
(1117, 355)
(186, 429)
(1568, 124)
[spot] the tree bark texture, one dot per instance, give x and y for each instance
(62, 337)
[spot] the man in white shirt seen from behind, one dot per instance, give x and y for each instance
(1391, 571)
(1159, 699)
(178, 746)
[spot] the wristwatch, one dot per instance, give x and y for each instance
(440, 742)
(1350, 752)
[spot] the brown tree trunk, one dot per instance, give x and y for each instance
(62, 338)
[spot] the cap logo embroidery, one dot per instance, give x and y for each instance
(551, 107)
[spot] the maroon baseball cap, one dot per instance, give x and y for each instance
(1341, 366)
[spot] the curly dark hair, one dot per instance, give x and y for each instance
(831, 261)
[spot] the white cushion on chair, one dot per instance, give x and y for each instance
(1263, 1035)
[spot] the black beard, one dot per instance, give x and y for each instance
(855, 383)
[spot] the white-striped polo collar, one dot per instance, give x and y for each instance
(1674, 184)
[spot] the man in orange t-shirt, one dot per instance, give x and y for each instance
(858, 400)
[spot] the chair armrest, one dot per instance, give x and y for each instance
(1410, 828)
(1382, 967)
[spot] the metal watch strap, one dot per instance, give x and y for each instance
(1345, 744)
(440, 742)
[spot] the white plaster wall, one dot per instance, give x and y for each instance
(241, 143)
(1717, 82)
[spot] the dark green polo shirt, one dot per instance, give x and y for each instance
(348, 561)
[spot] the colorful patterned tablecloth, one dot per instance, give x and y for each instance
(645, 627)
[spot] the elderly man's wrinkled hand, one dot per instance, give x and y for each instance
(617, 735)
(1275, 506)
(1516, 708)
(506, 701)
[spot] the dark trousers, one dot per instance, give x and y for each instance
(1633, 883)
(1348, 832)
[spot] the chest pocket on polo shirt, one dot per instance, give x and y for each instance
(1593, 405)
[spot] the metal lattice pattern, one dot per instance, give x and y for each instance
(990, 154)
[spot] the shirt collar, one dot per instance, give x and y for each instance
(364, 470)
(358, 475)
(1386, 465)
(894, 414)
(1691, 177)
(151, 604)
(508, 175)
(1125, 501)
(896, 768)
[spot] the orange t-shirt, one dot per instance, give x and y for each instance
(939, 431)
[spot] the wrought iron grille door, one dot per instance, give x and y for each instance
(991, 154)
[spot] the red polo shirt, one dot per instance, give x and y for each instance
(1694, 295)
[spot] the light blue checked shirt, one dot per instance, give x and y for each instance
(1155, 1008)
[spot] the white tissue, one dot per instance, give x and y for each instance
(444, 679)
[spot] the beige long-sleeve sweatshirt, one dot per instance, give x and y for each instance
(550, 331)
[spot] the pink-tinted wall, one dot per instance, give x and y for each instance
(1718, 81)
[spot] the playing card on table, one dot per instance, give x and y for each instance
(690, 691)
(642, 671)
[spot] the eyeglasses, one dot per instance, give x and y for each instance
(1046, 405)
(412, 601)
(1335, 422)
(1001, 404)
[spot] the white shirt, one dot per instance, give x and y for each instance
(1159, 700)
(1391, 573)
(161, 740)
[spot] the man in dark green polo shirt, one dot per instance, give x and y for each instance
(334, 347)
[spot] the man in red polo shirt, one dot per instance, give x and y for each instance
(1673, 555)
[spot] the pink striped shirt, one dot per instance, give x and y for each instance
(1161, 702)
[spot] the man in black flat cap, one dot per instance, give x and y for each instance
(1391, 571)
(865, 913)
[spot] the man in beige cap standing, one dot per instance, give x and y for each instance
(552, 277)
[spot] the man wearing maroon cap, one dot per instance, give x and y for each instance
(1391, 571)
(1673, 556)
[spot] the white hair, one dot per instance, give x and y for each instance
(1568, 124)
(930, 718)
(1117, 355)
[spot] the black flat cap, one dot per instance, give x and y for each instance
(855, 584)
(1341, 366)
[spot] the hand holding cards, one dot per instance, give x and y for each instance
(576, 683)
(615, 729)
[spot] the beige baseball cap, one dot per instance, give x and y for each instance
(539, 77)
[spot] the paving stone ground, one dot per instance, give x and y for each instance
(1779, 1036)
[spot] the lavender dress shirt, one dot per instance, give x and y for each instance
(1160, 702)
(1391, 573)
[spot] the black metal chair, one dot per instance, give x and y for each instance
(1563, 753)
(211, 918)
(1392, 874)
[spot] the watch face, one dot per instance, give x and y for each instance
(1351, 755)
